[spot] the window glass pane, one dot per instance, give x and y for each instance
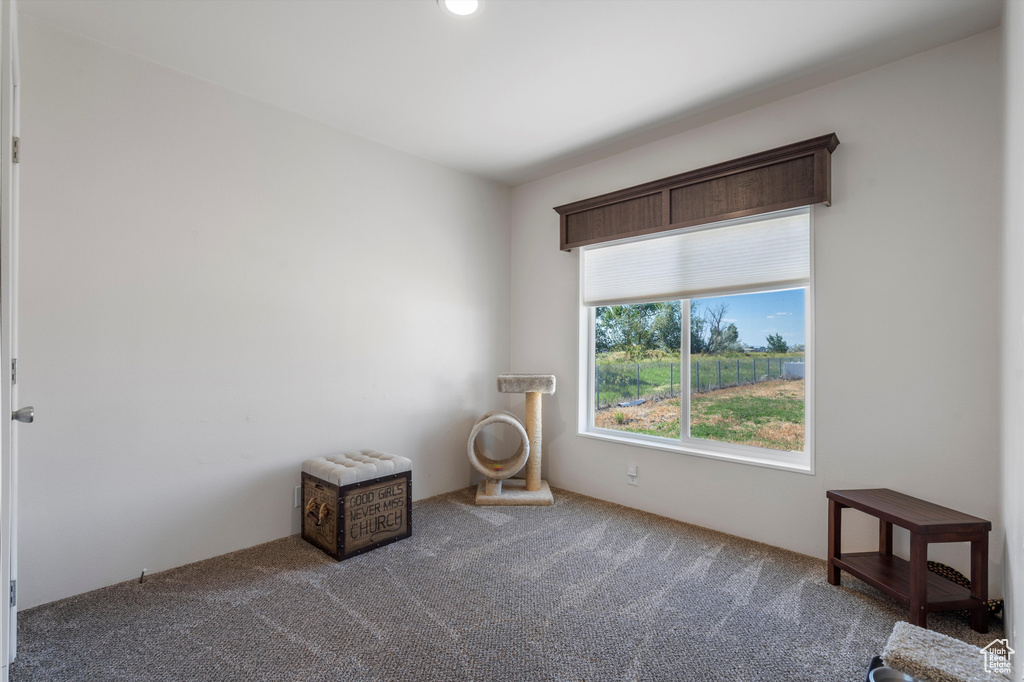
(636, 373)
(747, 369)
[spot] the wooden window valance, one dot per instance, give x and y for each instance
(798, 174)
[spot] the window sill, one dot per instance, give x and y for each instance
(801, 463)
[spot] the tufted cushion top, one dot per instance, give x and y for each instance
(345, 469)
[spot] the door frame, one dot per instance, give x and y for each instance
(8, 330)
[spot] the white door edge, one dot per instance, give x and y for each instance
(8, 329)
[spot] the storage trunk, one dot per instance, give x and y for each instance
(346, 520)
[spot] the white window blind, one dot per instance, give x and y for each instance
(741, 256)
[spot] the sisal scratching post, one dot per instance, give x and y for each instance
(533, 432)
(499, 488)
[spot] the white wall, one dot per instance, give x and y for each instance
(907, 276)
(214, 290)
(1013, 328)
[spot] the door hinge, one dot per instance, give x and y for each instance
(16, 153)
(14, 370)
(14, 593)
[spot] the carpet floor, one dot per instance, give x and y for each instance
(584, 591)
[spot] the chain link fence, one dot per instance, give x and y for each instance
(624, 383)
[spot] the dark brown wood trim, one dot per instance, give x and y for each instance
(752, 193)
(768, 208)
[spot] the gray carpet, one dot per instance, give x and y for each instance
(582, 591)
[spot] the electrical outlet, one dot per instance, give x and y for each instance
(298, 496)
(631, 474)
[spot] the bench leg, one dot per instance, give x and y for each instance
(835, 523)
(884, 537)
(979, 583)
(918, 580)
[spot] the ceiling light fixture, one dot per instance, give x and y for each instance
(462, 8)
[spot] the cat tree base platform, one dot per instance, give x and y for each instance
(513, 492)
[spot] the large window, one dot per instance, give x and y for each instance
(698, 341)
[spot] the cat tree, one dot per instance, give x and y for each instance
(499, 488)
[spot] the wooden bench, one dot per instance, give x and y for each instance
(910, 581)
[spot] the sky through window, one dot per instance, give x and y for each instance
(756, 316)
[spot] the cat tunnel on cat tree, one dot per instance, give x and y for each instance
(499, 488)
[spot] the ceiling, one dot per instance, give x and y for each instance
(525, 88)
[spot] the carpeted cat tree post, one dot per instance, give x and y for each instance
(532, 491)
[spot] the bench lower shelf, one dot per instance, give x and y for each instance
(891, 575)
